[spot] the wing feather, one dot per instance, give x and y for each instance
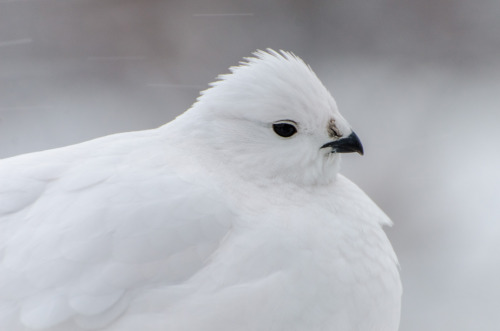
(86, 227)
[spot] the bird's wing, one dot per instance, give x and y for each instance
(84, 228)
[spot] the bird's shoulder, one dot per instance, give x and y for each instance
(84, 226)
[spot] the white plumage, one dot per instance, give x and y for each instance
(211, 222)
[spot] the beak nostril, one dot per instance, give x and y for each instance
(333, 131)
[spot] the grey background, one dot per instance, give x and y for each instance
(418, 81)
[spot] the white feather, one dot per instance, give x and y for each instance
(211, 222)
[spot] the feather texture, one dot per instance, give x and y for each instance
(185, 227)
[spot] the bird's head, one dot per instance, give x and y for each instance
(272, 117)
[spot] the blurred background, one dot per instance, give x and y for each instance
(418, 80)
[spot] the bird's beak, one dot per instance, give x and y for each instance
(349, 144)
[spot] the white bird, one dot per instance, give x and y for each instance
(231, 217)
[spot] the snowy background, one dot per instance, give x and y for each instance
(418, 80)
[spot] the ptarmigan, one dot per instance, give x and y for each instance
(231, 217)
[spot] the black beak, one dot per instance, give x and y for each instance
(349, 144)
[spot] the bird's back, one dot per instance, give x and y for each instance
(85, 227)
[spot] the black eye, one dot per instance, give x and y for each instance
(284, 129)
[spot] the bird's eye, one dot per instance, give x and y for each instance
(284, 129)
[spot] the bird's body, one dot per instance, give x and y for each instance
(206, 223)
